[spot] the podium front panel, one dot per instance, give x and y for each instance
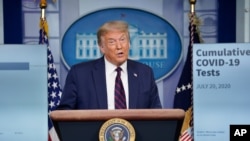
(145, 130)
(143, 124)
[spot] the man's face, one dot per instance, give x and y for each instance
(115, 46)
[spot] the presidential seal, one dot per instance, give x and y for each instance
(117, 129)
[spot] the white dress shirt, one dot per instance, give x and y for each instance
(110, 82)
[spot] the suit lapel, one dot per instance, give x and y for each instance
(133, 81)
(100, 83)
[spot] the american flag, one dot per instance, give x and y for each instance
(183, 95)
(186, 135)
(54, 89)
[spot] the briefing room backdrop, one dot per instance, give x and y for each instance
(61, 15)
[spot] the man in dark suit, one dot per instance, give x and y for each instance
(91, 85)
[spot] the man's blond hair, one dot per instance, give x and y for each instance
(112, 26)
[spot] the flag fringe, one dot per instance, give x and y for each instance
(186, 121)
(44, 25)
(197, 22)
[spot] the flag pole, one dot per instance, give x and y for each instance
(43, 23)
(43, 6)
(192, 12)
(192, 30)
(192, 5)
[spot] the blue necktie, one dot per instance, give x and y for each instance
(120, 98)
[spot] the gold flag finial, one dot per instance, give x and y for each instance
(43, 4)
(43, 23)
(192, 5)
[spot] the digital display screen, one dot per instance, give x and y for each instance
(23, 91)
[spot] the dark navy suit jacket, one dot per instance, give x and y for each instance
(85, 87)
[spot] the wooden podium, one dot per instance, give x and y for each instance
(148, 124)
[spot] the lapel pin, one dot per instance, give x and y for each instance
(135, 74)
